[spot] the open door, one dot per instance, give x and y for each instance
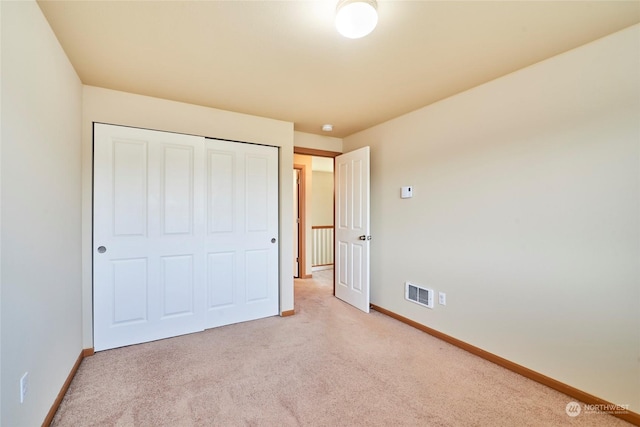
(296, 223)
(352, 228)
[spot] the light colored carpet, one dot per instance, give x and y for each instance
(329, 365)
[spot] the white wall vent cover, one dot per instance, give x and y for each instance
(418, 294)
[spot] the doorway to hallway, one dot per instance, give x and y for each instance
(313, 212)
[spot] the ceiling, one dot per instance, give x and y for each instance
(284, 59)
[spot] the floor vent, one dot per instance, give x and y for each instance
(419, 295)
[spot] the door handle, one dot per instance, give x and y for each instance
(273, 240)
(102, 249)
(363, 237)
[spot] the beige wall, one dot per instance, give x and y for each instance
(318, 142)
(120, 108)
(525, 212)
(40, 203)
(322, 198)
(299, 159)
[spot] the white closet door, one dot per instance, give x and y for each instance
(148, 227)
(241, 241)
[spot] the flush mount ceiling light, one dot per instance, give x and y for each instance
(327, 128)
(356, 18)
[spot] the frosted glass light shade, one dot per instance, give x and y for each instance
(356, 18)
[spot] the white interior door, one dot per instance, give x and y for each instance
(296, 223)
(242, 232)
(148, 223)
(352, 228)
(185, 233)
